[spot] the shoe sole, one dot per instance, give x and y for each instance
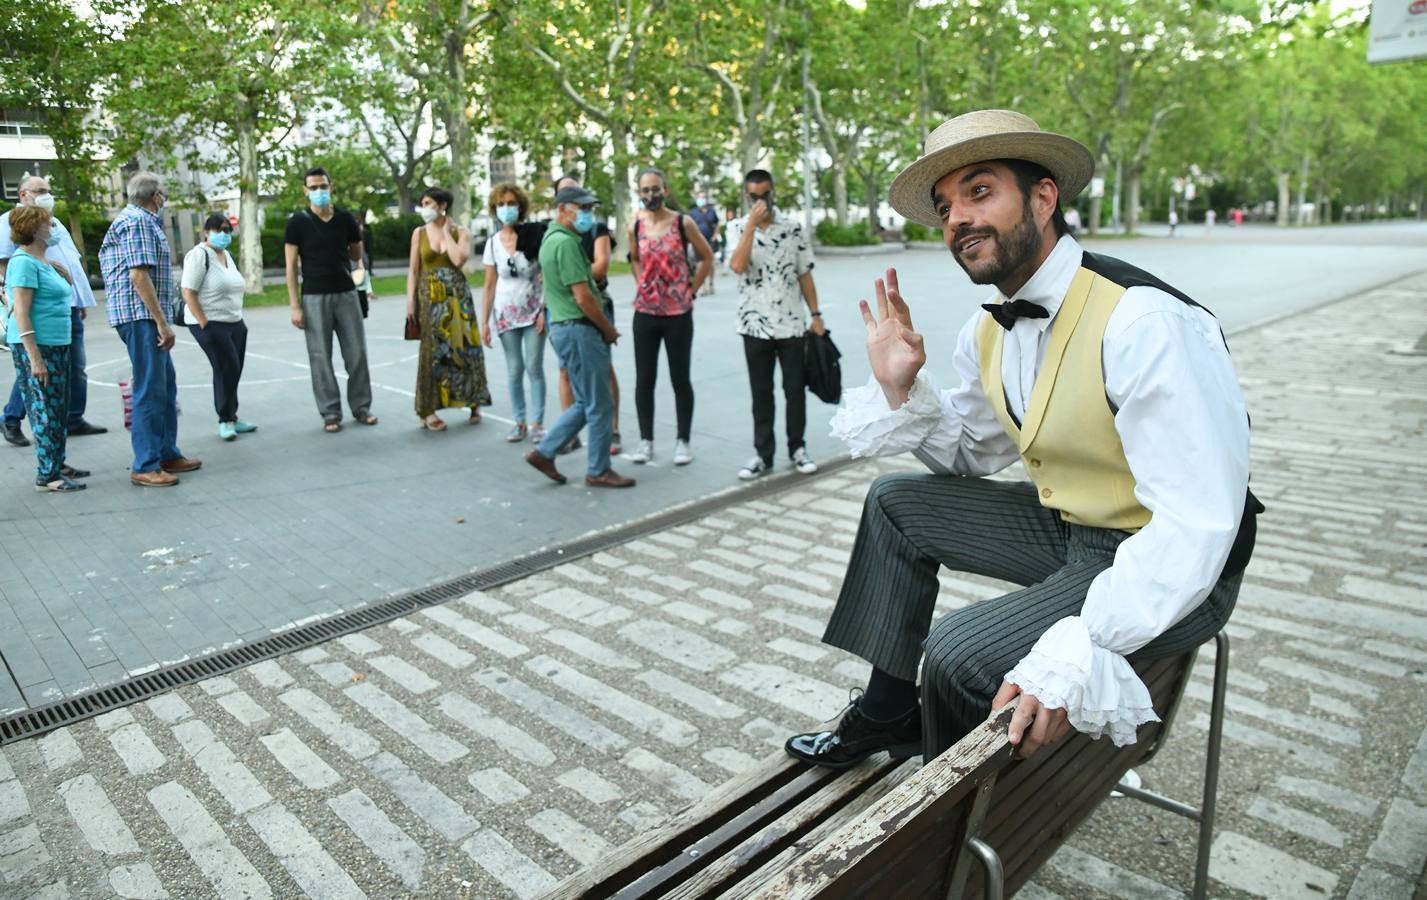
(151, 484)
(897, 752)
(683, 462)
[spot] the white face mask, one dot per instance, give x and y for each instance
(428, 214)
(45, 201)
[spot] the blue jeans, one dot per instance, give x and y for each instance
(78, 380)
(525, 355)
(585, 356)
(155, 429)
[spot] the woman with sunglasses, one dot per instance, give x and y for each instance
(513, 307)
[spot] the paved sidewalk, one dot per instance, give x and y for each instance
(487, 747)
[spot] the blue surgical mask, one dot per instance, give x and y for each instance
(53, 239)
(700, 202)
(584, 220)
(507, 214)
(320, 198)
(220, 239)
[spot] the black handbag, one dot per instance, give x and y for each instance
(822, 373)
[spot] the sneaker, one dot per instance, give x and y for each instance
(682, 454)
(615, 444)
(643, 453)
(755, 468)
(227, 431)
(537, 433)
(244, 427)
(516, 434)
(804, 462)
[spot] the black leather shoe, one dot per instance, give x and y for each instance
(858, 737)
(84, 428)
(14, 435)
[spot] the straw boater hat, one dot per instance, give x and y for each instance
(980, 136)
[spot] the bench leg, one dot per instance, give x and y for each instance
(1211, 766)
(995, 872)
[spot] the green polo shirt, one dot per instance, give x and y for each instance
(562, 266)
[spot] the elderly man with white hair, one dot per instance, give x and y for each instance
(35, 191)
(139, 301)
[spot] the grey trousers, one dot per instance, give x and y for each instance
(341, 314)
(912, 525)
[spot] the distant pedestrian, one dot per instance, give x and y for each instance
(451, 366)
(212, 287)
(326, 241)
(1209, 218)
(514, 307)
(582, 335)
(37, 330)
(1173, 221)
(35, 191)
(597, 244)
(1072, 220)
(659, 244)
(773, 258)
(139, 301)
(1238, 217)
(707, 218)
(362, 271)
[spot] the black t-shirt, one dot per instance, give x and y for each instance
(324, 250)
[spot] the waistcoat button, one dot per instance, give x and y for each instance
(1045, 492)
(1035, 464)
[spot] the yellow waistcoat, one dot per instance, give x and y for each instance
(1068, 441)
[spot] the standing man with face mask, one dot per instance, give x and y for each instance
(582, 336)
(327, 242)
(705, 216)
(139, 301)
(773, 259)
(64, 256)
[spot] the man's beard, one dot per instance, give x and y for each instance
(1014, 249)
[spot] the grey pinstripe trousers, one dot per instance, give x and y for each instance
(914, 524)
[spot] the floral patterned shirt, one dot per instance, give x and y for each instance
(518, 292)
(770, 301)
(664, 288)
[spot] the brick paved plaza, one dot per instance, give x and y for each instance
(489, 746)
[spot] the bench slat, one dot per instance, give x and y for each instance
(852, 855)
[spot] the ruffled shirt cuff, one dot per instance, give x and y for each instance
(1098, 689)
(870, 427)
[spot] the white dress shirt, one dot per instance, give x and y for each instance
(65, 253)
(1182, 421)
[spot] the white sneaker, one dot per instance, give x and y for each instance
(804, 462)
(754, 468)
(682, 454)
(642, 454)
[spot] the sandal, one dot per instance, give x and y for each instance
(433, 423)
(332, 426)
(365, 418)
(69, 471)
(59, 486)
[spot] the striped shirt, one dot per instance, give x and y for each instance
(135, 238)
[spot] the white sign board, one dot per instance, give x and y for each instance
(1397, 30)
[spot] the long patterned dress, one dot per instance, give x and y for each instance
(451, 366)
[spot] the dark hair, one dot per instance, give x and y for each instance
(315, 170)
(1028, 175)
(650, 170)
(217, 222)
(555, 185)
(442, 196)
(757, 176)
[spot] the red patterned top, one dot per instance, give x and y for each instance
(665, 282)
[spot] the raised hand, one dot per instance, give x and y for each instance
(894, 348)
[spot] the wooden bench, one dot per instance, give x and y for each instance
(972, 822)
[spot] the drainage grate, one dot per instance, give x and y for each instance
(43, 719)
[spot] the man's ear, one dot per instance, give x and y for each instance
(1047, 196)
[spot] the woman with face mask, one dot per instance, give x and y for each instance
(513, 307)
(451, 367)
(212, 289)
(659, 249)
(38, 332)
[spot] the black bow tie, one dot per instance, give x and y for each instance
(1006, 314)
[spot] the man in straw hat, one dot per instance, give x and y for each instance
(1117, 394)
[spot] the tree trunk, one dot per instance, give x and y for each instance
(839, 192)
(404, 201)
(869, 179)
(458, 131)
(750, 143)
(1422, 202)
(1132, 201)
(1093, 224)
(1302, 190)
(1322, 212)
(250, 232)
(1281, 219)
(623, 212)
